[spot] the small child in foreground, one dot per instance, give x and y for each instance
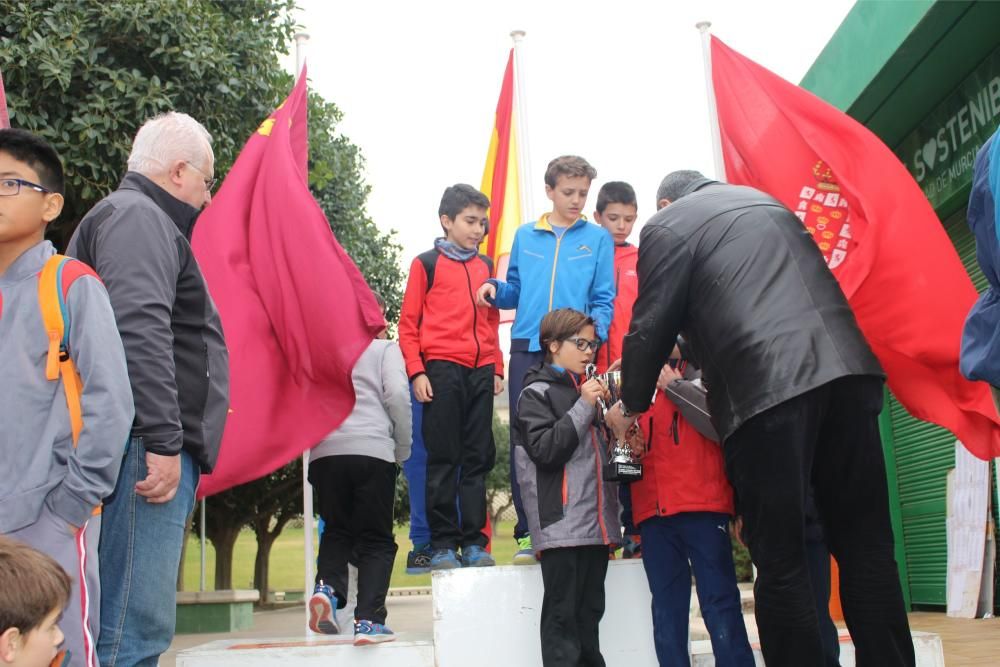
(34, 590)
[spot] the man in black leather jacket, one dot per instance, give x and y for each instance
(794, 392)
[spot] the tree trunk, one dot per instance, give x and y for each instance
(224, 541)
(261, 565)
(496, 513)
(265, 540)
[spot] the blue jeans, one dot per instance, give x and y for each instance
(415, 470)
(668, 543)
(140, 553)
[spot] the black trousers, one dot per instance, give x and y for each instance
(827, 437)
(355, 500)
(458, 437)
(572, 605)
(818, 559)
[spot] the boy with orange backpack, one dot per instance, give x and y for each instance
(65, 399)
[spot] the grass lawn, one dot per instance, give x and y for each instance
(288, 566)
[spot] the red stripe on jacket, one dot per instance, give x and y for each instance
(626, 291)
(444, 323)
(72, 270)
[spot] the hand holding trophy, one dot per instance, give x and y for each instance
(622, 467)
(636, 441)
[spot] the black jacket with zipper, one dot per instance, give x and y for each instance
(559, 461)
(740, 275)
(138, 240)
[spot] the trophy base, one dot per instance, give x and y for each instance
(623, 472)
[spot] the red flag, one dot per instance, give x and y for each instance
(296, 311)
(4, 118)
(876, 229)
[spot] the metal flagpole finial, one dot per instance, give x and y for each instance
(517, 35)
(713, 113)
(300, 51)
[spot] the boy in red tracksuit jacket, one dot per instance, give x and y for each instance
(616, 212)
(454, 361)
(683, 506)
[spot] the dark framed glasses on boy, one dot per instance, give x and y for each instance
(12, 186)
(583, 344)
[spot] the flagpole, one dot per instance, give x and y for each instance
(522, 129)
(201, 525)
(713, 112)
(713, 123)
(301, 39)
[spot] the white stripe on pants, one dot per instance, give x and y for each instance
(77, 554)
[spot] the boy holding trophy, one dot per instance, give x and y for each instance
(572, 512)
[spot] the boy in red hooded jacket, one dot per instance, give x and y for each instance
(683, 506)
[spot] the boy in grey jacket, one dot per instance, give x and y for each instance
(56, 469)
(354, 472)
(572, 513)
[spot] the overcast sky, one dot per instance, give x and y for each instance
(620, 83)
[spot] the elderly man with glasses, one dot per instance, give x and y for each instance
(138, 240)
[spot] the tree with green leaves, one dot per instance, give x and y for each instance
(86, 74)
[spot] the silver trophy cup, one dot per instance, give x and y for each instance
(621, 467)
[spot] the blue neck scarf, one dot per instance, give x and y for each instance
(454, 251)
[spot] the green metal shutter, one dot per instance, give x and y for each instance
(924, 454)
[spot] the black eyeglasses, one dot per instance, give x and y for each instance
(583, 344)
(209, 182)
(12, 186)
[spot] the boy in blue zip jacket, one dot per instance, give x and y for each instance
(58, 464)
(560, 261)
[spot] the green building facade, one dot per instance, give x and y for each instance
(923, 75)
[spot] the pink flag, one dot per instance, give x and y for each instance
(296, 311)
(4, 118)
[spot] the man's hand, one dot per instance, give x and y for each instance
(486, 290)
(591, 390)
(636, 441)
(163, 475)
(615, 366)
(736, 529)
(667, 375)
(422, 388)
(497, 385)
(618, 422)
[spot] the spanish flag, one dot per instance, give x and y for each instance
(501, 178)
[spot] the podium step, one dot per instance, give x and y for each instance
(927, 647)
(408, 650)
(490, 616)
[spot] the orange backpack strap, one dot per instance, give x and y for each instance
(54, 282)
